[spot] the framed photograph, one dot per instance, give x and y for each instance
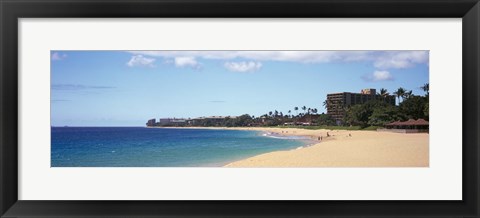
(226, 108)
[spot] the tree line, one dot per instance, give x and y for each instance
(372, 113)
(379, 113)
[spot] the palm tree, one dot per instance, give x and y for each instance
(314, 110)
(270, 113)
(400, 93)
(426, 88)
(304, 109)
(296, 110)
(384, 92)
(289, 111)
(325, 104)
(408, 94)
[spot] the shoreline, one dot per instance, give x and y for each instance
(341, 148)
(316, 134)
(346, 148)
(312, 139)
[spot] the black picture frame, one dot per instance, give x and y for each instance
(12, 10)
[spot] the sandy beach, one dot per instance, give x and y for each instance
(345, 148)
(342, 148)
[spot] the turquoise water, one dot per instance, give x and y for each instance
(160, 147)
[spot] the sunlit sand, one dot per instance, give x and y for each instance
(345, 148)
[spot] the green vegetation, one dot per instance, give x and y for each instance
(378, 113)
(371, 115)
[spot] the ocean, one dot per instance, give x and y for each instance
(160, 147)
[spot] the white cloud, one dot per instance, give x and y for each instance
(140, 60)
(382, 75)
(250, 66)
(380, 59)
(57, 56)
(186, 62)
(293, 56)
(403, 59)
(379, 76)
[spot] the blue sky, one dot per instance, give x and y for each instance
(125, 88)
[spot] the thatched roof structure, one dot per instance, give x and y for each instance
(410, 122)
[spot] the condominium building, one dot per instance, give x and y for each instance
(338, 102)
(151, 122)
(171, 121)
